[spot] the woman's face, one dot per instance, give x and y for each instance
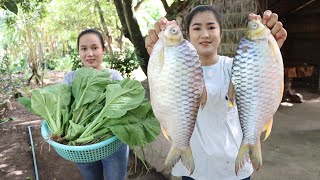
(91, 51)
(204, 33)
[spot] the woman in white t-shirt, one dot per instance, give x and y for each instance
(217, 134)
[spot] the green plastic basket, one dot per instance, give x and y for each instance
(82, 154)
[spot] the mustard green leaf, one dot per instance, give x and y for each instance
(88, 84)
(49, 102)
(136, 131)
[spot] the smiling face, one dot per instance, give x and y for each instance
(91, 51)
(204, 34)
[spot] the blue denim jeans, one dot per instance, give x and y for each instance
(113, 167)
(189, 178)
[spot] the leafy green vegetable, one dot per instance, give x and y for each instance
(94, 108)
(26, 102)
(86, 87)
(120, 98)
(138, 127)
(49, 103)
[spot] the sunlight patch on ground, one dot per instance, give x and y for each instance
(32, 122)
(286, 104)
(12, 147)
(3, 165)
(16, 173)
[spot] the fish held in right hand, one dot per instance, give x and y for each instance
(176, 83)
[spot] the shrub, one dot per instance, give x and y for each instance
(124, 62)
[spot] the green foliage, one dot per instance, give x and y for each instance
(76, 62)
(9, 81)
(11, 6)
(5, 64)
(124, 62)
(3, 120)
(58, 63)
(55, 25)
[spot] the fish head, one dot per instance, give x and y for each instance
(256, 30)
(172, 35)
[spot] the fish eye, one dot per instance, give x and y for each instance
(254, 25)
(174, 30)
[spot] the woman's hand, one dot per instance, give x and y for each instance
(271, 21)
(152, 37)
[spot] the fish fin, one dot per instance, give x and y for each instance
(231, 95)
(267, 128)
(166, 134)
(173, 157)
(203, 98)
(187, 160)
(275, 50)
(254, 153)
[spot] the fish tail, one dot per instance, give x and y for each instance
(255, 156)
(175, 155)
(246, 152)
(241, 158)
(187, 159)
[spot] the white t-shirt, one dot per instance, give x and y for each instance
(217, 135)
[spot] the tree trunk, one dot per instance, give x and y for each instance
(105, 28)
(131, 30)
(35, 73)
(166, 7)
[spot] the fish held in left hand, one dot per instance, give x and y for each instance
(257, 84)
(176, 83)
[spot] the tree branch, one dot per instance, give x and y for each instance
(138, 5)
(105, 27)
(166, 6)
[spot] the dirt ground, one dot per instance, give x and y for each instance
(292, 151)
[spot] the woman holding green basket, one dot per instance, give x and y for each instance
(91, 48)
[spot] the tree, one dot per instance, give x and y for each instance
(131, 30)
(25, 25)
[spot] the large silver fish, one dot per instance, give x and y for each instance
(257, 77)
(176, 83)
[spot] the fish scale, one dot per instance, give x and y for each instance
(176, 83)
(257, 77)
